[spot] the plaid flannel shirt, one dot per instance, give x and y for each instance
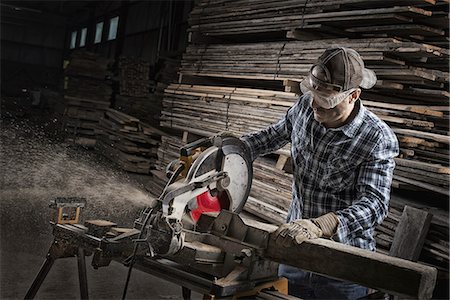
(346, 170)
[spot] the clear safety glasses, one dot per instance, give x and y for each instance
(326, 98)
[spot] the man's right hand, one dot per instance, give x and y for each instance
(297, 232)
(301, 230)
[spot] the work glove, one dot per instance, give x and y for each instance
(219, 137)
(301, 230)
(227, 134)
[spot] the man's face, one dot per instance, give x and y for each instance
(336, 116)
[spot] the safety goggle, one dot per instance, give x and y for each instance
(326, 98)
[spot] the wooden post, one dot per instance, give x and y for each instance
(185, 137)
(410, 234)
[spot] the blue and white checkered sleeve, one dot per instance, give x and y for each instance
(273, 137)
(373, 192)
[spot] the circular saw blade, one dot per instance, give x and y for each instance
(238, 166)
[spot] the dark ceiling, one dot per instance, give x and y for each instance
(48, 12)
(57, 8)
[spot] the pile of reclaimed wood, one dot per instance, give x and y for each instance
(168, 151)
(312, 19)
(134, 93)
(134, 77)
(405, 70)
(127, 141)
(206, 110)
(87, 96)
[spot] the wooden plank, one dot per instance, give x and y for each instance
(422, 134)
(424, 185)
(281, 162)
(422, 165)
(410, 234)
(399, 277)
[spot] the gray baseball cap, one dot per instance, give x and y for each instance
(336, 71)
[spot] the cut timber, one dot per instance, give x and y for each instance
(410, 234)
(423, 166)
(291, 86)
(389, 274)
(127, 141)
(281, 162)
(134, 77)
(424, 185)
(422, 134)
(87, 95)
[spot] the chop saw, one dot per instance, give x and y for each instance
(211, 175)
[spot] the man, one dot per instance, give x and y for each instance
(343, 162)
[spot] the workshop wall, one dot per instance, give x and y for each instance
(147, 29)
(32, 45)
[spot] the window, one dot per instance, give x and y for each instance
(83, 37)
(112, 33)
(98, 32)
(73, 39)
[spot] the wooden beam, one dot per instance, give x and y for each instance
(389, 274)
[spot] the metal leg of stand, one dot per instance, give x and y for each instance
(186, 293)
(82, 276)
(40, 277)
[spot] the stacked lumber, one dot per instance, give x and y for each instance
(134, 77)
(418, 19)
(206, 110)
(422, 132)
(127, 141)
(87, 96)
(168, 151)
(271, 192)
(405, 70)
(149, 107)
(135, 97)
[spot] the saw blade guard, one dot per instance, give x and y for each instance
(230, 156)
(219, 178)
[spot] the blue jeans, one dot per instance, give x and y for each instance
(307, 285)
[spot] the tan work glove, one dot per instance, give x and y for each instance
(301, 230)
(227, 134)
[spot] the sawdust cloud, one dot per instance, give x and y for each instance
(36, 169)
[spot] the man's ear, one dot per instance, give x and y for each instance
(355, 95)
